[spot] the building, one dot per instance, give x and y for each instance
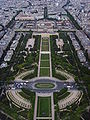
(30, 43)
(1, 52)
(85, 42)
(88, 53)
(8, 55)
(59, 43)
(76, 45)
(81, 56)
(23, 17)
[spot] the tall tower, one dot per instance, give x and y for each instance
(45, 10)
(45, 5)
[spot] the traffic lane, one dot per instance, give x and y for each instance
(31, 85)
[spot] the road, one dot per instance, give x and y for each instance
(31, 85)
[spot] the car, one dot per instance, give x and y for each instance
(25, 83)
(20, 86)
(21, 83)
(68, 86)
(13, 88)
(64, 83)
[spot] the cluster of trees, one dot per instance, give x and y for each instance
(73, 21)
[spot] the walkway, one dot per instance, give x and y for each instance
(17, 99)
(45, 67)
(36, 104)
(20, 76)
(44, 70)
(58, 85)
(73, 97)
(70, 78)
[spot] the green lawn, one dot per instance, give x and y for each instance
(45, 47)
(44, 40)
(12, 111)
(44, 72)
(73, 21)
(44, 107)
(63, 96)
(24, 95)
(44, 64)
(62, 91)
(44, 85)
(60, 77)
(44, 56)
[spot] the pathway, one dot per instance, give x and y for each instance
(44, 70)
(73, 97)
(17, 99)
(44, 66)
